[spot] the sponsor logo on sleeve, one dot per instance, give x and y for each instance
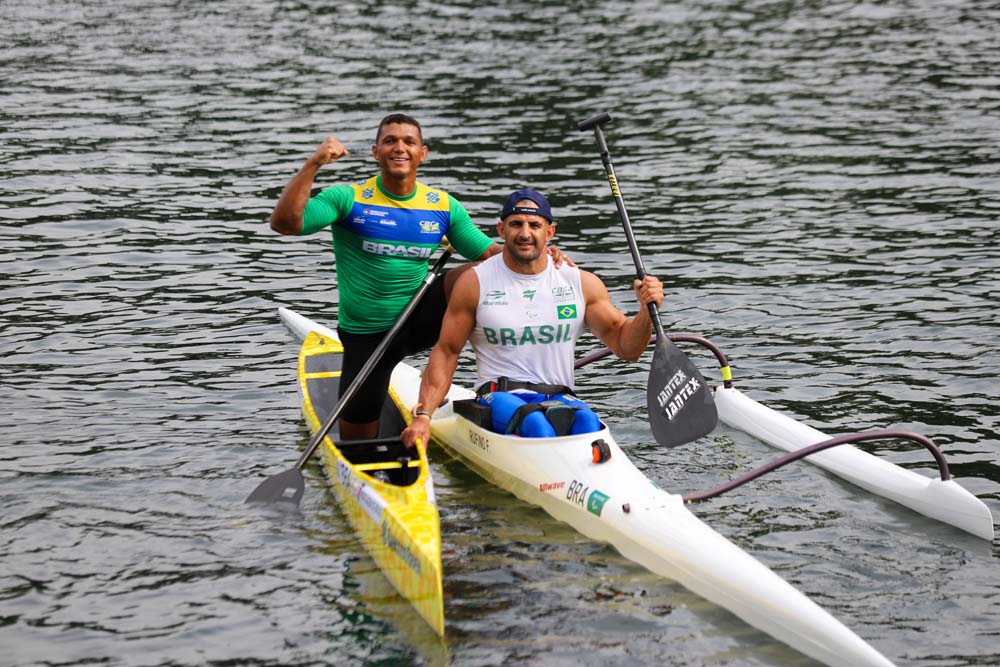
(497, 297)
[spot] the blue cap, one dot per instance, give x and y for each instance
(510, 205)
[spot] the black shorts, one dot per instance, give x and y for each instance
(419, 333)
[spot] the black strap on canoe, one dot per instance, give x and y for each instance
(506, 384)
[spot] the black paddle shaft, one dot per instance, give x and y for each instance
(595, 122)
(679, 402)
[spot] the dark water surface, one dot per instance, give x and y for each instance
(817, 183)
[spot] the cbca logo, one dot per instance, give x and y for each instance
(429, 226)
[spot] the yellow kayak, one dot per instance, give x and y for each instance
(385, 490)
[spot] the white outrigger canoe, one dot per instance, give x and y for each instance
(615, 503)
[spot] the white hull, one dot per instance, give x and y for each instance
(657, 531)
(614, 502)
(944, 501)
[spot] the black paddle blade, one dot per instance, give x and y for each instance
(285, 487)
(680, 403)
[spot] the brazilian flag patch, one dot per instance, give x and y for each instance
(567, 312)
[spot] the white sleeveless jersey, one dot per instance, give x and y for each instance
(527, 325)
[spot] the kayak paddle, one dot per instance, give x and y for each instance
(289, 486)
(680, 404)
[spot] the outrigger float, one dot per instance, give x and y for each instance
(940, 498)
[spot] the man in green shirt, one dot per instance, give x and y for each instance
(384, 230)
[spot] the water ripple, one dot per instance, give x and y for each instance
(815, 183)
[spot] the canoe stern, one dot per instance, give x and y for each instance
(400, 528)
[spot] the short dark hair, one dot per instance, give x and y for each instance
(399, 119)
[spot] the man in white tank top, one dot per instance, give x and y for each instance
(523, 316)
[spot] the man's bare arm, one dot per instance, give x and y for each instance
(626, 337)
(287, 215)
(455, 331)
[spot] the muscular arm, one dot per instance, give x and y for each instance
(455, 331)
(287, 215)
(626, 337)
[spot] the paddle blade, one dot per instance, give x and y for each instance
(285, 487)
(680, 403)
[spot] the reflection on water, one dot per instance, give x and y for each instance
(815, 183)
